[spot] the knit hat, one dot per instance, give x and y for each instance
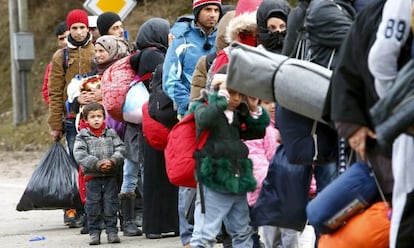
(115, 46)
(75, 16)
(199, 4)
(244, 6)
(105, 22)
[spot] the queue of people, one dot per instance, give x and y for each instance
(123, 177)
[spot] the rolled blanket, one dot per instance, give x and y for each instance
(297, 85)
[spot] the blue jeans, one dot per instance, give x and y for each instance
(130, 177)
(325, 174)
(231, 209)
(69, 130)
(102, 204)
(186, 229)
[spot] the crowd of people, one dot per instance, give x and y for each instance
(123, 177)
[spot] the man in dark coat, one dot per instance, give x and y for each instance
(353, 93)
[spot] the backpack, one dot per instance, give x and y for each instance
(65, 61)
(179, 153)
(115, 84)
(160, 106)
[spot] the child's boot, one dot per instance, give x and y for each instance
(113, 238)
(95, 239)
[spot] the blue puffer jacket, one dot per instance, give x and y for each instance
(181, 60)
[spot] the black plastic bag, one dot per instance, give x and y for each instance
(53, 184)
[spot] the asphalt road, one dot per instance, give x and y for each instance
(17, 229)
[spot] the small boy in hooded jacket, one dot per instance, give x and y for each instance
(100, 152)
(224, 171)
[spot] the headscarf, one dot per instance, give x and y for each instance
(115, 46)
(153, 33)
(268, 9)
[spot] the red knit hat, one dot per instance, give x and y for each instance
(77, 15)
(244, 6)
(199, 4)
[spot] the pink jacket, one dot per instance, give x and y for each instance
(261, 152)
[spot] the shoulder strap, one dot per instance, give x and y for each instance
(65, 60)
(300, 46)
(209, 60)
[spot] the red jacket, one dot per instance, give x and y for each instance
(45, 90)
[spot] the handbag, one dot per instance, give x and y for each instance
(155, 133)
(284, 195)
(350, 193)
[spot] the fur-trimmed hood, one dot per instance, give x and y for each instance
(241, 23)
(221, 41)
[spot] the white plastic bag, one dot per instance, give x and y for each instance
(136, 97)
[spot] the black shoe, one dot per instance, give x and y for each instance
(130, 229)
(153, 236)
(113, 238)
(95, 239)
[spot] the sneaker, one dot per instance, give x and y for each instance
(73, 218)
(95, 239)
(69, 216)
(113, 238)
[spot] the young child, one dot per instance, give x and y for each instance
(261, 152)
(224, 171)
(100, 152)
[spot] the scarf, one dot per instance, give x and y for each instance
(79, 43)
(98, 132)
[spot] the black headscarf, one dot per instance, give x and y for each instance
(152, 41)
(271, 8)
(153, 33)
